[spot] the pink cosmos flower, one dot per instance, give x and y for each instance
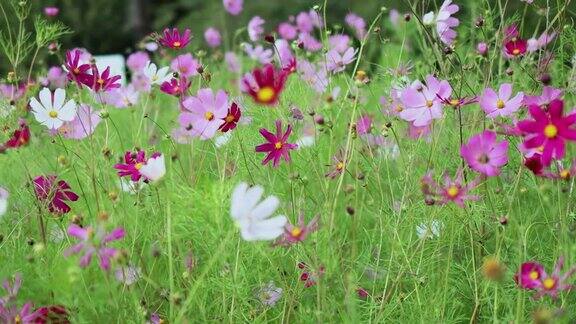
(83, 124)
(122, 97)
(232, 62)
(137, 61)
(56, 78)
(212, 37)
(534, 44)
(548, 95)
(54, 194)
(103, 82)
(133, 162)
(10, 313)
(173, 39)
(258, 53)
(255, 28)
(562, 173)
(339, 43)
(51, 11)
(445, 22)
(94, 241)
(338, 165)
(204, 112)
(500, 104)
(176, 87)
(277, 146)
(483, 154)
(418, 132)
(294, 234)
(357, 23)
(234, 7)
(452, 190)
(287, 31)
(232, 118)
(364, 125)
(310, 43)
(315, 75)
(185, 65)
(423, 103)
(482, 48)
(304, 22)
(533, 276)
(12, 92)
(77, 70)
(549, 129)
(335, 62)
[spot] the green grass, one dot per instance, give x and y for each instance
(435, 280)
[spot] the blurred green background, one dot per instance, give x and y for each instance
(114, 26)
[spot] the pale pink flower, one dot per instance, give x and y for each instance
(204, 112)
(501, 103)
(232, 62)
(255, 28)
(258, 53)
(234, 7)
(212, 37)
(185, 65)
(423, 103)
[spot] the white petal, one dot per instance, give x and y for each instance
(68, 112)
(36, 106)
(237, 209)
(266, 208)
(53, 123)
(268, 229)
(252, 197)
(46, 98)
(428, 18)
(59, 97)
(154, 169)
(41, 116)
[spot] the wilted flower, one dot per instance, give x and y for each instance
(54, 193)
(294, 234)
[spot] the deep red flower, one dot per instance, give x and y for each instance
(103, 81)
(277, 146)
(54, 194)
(231, 119)
(534, 164)
(53, 314)
(20, 137)
(549, 130)
(264, 85)
(516, 47)
(173, 39)
(77, 72)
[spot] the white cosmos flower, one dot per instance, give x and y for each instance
(3, 201)
(155, 168)
(429, 231)
(53, 112)
(157, 76)
(253, 216)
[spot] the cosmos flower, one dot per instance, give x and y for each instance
(173, 39)
(77, 70)
(176, 87)
(309, 42)
(54, 194)
(233, 7)
(204, 112)
(315, 75)
(444, 21)
(103, 82)
(10, 313)
(287, 31)
(56, 78)
(269, 294)
(255, 28)
(532, 275)
(94, 241)
(339, 43)
(154, 169)
(423, 103)
(286, 57)
(20, 137)
(534, 44)
(128, 275)
(232, 62)
(212, 37)
(277, 146)
(258, 53)
(310, 276)
(83, 125)
(562, 173)
(336, 62)
(4, 195)
(482, 48)
(515, 47)
(51, 11)
(186, 65)
(501, 103)
(231, 119)
(338, 165)
(549, 129)
(123, 97)
(12, 92)
(264, 85)
(483, 154)
(294, 234)
(137, 61)
(548, 95)
(155, 75)
(51, 111)
(357, 23)
(133, 163)
(452, 190)
(253, 216)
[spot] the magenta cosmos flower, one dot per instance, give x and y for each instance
(175, 87)
(500, 104)
(484, 154)
(452, 190)
(51, 11)
(77, 71)
(173, 39)
(294, 234)
(264, 85)
(549, 130)
(533, 276)
(94, 241)
(103, 82)
(204, 112)
(54, 194)
(133, 162)
(423, 103)
(231, 119)
(548, 95)
(234, 7)
(277, 146)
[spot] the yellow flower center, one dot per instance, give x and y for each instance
(177, 44)
(500, 104)
(208, 115)
(265, 94)
(296, 231)
(17, 319)
(229, 118)
(565, 174)
(453, 191)
(53, 114)
(540, 149)
(340, 166)
(399, 108)
(429, 103)
(534, 275)
(550, 131)
(516, 51)
(278, 145)
(454, 102)
(549, 283)
(76, 71)
(139, 166)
